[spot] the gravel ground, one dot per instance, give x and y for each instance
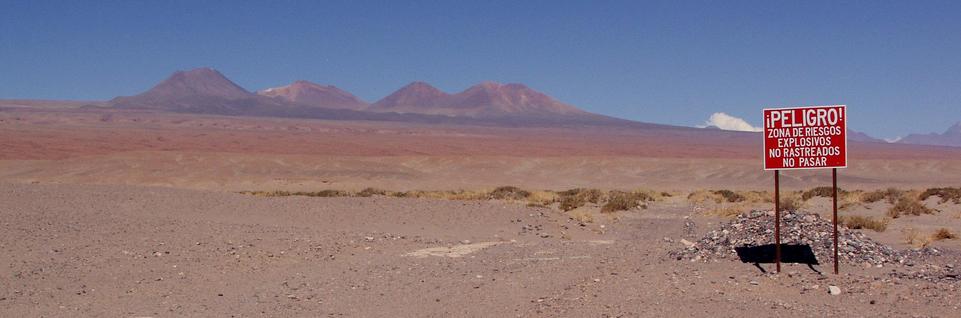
(124, 251)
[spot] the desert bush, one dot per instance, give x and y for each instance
(889, 194)
(908, 205)
(542, 197)
(589, 195)
(267, 193)
(571, 202)
(369, 192)
(509, 193)
(864, 222)
(729, 196)
(445, 195)
(824, 192)
(727, 210)
(791, 202)
(915, 238)
(946, 194)
(623, 201)
(324, 193)
(943, 234)
(574, 198)
(703, 196)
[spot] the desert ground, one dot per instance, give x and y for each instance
(142, 214)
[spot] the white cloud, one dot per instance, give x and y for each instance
(893, 140)
(728, 122)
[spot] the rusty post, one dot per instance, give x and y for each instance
(834, 183)
(777, 220)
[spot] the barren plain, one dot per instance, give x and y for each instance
(139, 214)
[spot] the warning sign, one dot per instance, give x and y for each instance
(811, 137)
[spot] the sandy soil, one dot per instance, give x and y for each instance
(127, 251)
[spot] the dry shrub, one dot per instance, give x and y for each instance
(791, 202)
(908, 205)
(915, 238)
(535, 205)
(623, 201)
(571, 202)
(704, 196)
(848, 199)
(445, 195)
(324, 193)
(891, 195)
(864, 222)
(946, 194)
(650, 195)
(267, 193)
(720, 196)
(943, 234)
(542, 197)
(581, 215)
(727, 210)
(509, 193)
(824, 192)
(729, 196)
(574, 198)
(369, 192)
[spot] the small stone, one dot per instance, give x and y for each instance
(754, 282)
(596, 280)
(687, 243)
(834, 290)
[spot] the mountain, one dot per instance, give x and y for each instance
(202, 90)
(315, 95)
(416, 97)
(206, 91)
(854, 135)
(488, 99)
(950, 137)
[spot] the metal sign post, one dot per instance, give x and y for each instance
(834, 184)
(777, 220)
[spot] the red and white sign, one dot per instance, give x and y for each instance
(811, 137)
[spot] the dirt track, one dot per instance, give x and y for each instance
(120, 251)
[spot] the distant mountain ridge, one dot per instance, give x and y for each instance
(486, 99)
(950, 137)
(202, 90)
(316, 95)
(207, 91)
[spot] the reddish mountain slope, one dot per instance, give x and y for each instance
(416, 97)
(202, 90)
(315, 95)
(487, 99)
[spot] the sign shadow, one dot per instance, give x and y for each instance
(798, 254)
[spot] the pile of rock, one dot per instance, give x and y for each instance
(756, 228)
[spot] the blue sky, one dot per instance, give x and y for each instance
(896, 64)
